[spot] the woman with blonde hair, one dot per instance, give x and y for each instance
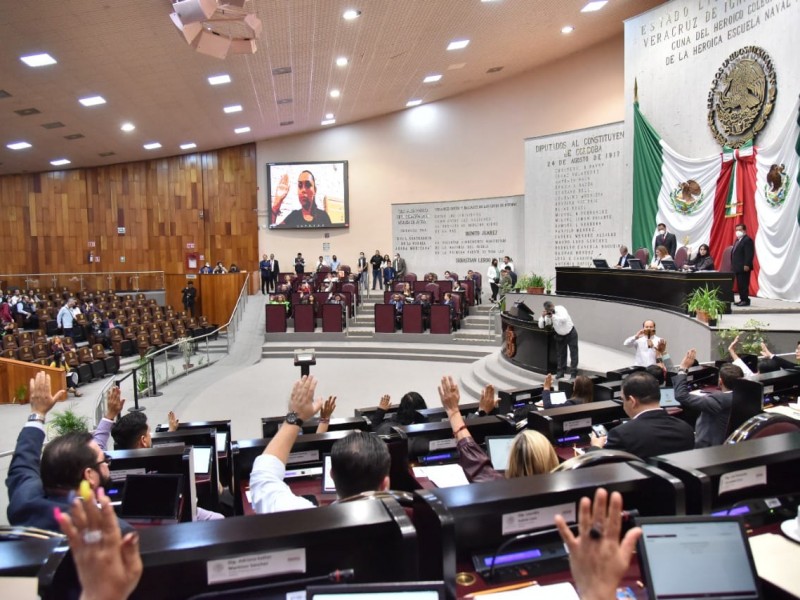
(531, 453)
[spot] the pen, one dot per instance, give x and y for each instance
(506, 588)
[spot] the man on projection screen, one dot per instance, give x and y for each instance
(308, 214)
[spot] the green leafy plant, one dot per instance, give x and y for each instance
(530, 281)
(548, 285)
(751, 335)
(67, 422)
(20, 394)
(705, 300)
(142, 377)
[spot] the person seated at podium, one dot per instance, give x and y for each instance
(702, 261)
(359, 462)
(624, 257)
(447, 300)
(220, 269)
(650, 431)
(406, 413)
(531, 453)
(582, 391)
(660, 256)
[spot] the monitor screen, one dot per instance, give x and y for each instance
(558, 398)
(328, 487)
(498, 448)
(669, 265)
(711, 555)
(668, 398)
(222, 441)
(635, 264)
(152, 496)
(406, 590)
(308, 195)
(600, 263)
(202, 459)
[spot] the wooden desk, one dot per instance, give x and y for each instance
(15, 376)
(659, 289)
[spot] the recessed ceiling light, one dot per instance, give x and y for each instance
(335, 93)
(18, 146)
(242, 130)
(328, 122)
(594, 5)
(152, 146)
(416, 102)
(567, 29)
(458, 44)
(349, 15)
(219, 79)
(329, 116)
(92, 100)
(38, 60)
(432, 79)
(127, 127)
(60, 162)
(341, 61)
(233, 109)
(456, 66)
(188, 146)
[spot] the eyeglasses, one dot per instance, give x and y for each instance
(308, 184)
(106, 460)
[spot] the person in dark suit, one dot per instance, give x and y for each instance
(744, 251)
(40, 482)
(274, 271)
(188, 296)
(651, 431)
(666, 239)
(624, 257)
(299, 264)
(399, 266)
(702, 261)
(715, 408)
(263, 267)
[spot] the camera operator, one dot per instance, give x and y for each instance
(646, 343)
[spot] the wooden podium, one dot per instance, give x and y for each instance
(16, 375)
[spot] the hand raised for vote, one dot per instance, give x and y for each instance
(114, 403)
(688, 360)
(548, 381)
(488, 402)
(385, 402)
(302, 399)
(40, 397)
(173, 421)
(327, 408)
(449, 394)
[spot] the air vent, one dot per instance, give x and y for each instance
(285, 123)
(53, 125)
(495, 70)
(73, 136)
(285, 101)
(282, 71)
(26, 112)
(105, 154)
(4, 94)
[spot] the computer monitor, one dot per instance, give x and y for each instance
(498, 448)
(669, 265)
(202, 459)
(557, 398)
(668, 398)
(600, 263)
(418, 590)
(635, 264)
(152, 497)
(696, 557)
(328, 486)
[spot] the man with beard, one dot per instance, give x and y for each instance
(42, 483)
(308, 215)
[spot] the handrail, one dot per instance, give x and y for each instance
(230, 328)
(132, 277)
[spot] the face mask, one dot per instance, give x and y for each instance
(661, 231)
(739, 234)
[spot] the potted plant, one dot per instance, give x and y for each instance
(186, 347)
(751, 336)
(66, 422)
(21, 394)
(548, 285)
(533, 283)
(705, 303)
(142, 377)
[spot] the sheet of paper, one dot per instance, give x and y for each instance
(788, 411)
(445, 475)
(776, 561)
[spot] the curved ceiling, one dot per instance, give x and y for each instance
(131, 54)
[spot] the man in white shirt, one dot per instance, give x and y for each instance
(566, 336)
(359, 463)
(646, 343)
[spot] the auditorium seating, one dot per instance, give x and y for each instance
(412, 318)
(681, 256)
(643, 254)
(725, 261)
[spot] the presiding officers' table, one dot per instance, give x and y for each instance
(659, 289)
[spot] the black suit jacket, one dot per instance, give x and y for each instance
(715, 410)
(667, 240)
(623, 260)
(276, 268)
(744, 252)
(651, 433)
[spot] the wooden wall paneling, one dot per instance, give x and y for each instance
(219, 294)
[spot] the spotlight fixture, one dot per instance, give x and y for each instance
(92, 100)
(595, 5)
(219, 79)
(458, 44)
(217, 27)
(18, 145)
(432, 78)
(59, 162)
(127, 127)
(188, 146)
(567, 29)
(415, 102)
(328, 122)
(341, 61)
(152, 146)
(335, 93)
(38, 60)
(242, 130)
(233, 109)
(329, 116)
(351, 15)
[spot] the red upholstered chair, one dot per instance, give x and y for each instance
(384, 318)
(412, 318)
(304, 318)
(643, 254)
(332, 317)
(411, 277)
(763, 425)
(276, 318)
(398, 286)
(727, 258)
(351, 291)
(440, 319)
(434, 290)
(681, 256)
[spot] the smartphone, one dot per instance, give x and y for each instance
(599, 430)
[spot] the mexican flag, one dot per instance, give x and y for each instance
(701, 200)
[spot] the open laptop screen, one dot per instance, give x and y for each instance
(202, 459)
(328, 487)
(600, 263)
(152, 496)
(635, 264)
(668, 398)
(696, 557)
(499, 448)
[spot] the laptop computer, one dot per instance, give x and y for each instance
(668, 398)
(498, 448)
(696, 557)
(635, 264)
(600, 263)
(405, 590)
(155, 496)
(669, 265)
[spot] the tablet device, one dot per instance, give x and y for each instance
(152, 496)
(668, 398)
(498, 448)
(696, 557)
(600, 263)
(558, 398)
(328, 487)
(202, 459)
(635, 264)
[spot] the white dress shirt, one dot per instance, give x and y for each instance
(645, 355)
(560, 321)
(269, 492)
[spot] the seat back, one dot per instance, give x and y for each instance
(434, 290)
(85, 355)
(412, 277)
(643, 254)
(40, 350)
(727, 260)
(26, 353)
(440, 319)
(9, 342)
(332, 317)
(681, 256)
(412, 318)
(384, 318)
(304, 318)
(98, 352)
(763, 425)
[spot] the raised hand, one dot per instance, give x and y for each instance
(302, 399)
(41, 398)
(327, 408)
(281, 191)
(173, 421)
(114, 403)
(385, 402)
(449, 394)
(488, 402)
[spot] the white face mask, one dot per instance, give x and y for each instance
(661, 231)
(739, 234)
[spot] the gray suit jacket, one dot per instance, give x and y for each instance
(715, 410)
(400, 268)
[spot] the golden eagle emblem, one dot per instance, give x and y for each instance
(777, 186)
(687, 197)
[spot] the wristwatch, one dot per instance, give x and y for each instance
(293, 419)
(35, 417)
(682, 371)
